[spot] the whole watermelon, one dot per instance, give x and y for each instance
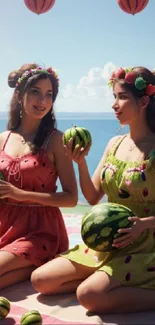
(4, 307)
(101, 223)
(80, 135)
(32, 317)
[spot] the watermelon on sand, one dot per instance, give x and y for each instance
(101, 223)
(32, 317)
(4, 307)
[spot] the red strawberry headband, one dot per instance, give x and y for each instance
(131, 77)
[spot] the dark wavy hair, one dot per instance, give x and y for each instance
(149, 77)
(48, 123)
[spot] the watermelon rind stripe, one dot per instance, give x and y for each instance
(87, 134)
(114, 217)
(5, 306)
(79, 135)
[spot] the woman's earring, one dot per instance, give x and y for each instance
(52, 115)
(20, 114)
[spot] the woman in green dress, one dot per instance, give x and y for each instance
(124, 279)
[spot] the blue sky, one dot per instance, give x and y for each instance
(84, 40)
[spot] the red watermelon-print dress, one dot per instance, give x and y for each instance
(35, 232)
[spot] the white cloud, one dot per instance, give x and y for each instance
(68, 91)
(94, 85)
(91, 94)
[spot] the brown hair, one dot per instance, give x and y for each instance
(149, 77)
(48, 123)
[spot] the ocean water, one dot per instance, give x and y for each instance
(101, 129)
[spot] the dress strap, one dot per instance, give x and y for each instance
(6, 140)
(116, 144)
(48, 139)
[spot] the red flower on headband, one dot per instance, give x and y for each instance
(130, 77)
(50, 70)
(150, 90)
(120, 74)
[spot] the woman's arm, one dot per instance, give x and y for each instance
(58, 199)
(91, 187)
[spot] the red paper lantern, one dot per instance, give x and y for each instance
(39, 6)
(132, 6)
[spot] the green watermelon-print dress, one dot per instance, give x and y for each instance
(133, 185)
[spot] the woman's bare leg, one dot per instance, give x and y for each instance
(59, 276)
(13, 269)
(103, 294)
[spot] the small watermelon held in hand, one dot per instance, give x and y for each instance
(101, 223)
(4, 307)
(80, 135)
(32, 317)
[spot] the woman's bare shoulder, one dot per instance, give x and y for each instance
(3, 137)
(113, 140)
(55, 141)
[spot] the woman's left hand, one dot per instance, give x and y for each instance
(7, 190)
(131, 234)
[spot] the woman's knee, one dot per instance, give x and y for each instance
(37, 280)
(94, 289)
(47, 278)
(89, 298)
(41, 283)
(85, 294)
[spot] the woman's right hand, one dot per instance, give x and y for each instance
(78, 154)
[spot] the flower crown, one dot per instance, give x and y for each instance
(131, 77)
(31, 72)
